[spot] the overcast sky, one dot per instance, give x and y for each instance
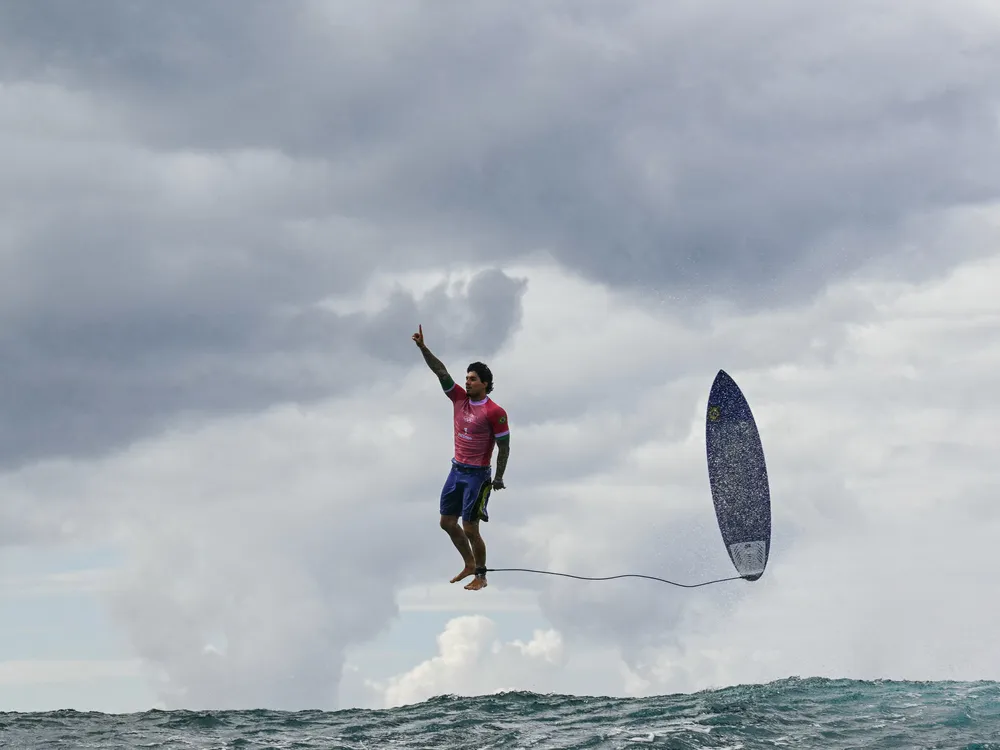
(221, 453)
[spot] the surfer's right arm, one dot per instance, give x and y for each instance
(432, 362)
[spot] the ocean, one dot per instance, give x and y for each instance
(792, 713)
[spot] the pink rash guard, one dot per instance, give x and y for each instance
(477, 426)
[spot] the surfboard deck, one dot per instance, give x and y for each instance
(737, 475)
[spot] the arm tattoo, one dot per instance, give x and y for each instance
(434, 363)
(503, 451)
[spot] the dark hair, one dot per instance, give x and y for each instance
(484, 374)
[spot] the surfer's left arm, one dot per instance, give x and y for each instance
(503, 453)
(501, 432)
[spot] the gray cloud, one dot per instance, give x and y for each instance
(640, 614)
(633, 131)
(81, 383)
(493, 316)
(265, 625)
(195, 174)
(640, 145)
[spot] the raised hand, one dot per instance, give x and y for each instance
(433, 362)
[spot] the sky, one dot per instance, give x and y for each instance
(221, 452)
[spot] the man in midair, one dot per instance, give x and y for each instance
(480, 424)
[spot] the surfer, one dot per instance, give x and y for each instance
(480, 423)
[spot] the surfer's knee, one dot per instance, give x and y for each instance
(471, 529)
(449, 523)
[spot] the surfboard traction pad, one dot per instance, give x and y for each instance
(738, 478)
(750, 558)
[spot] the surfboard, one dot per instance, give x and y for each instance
(737, 475)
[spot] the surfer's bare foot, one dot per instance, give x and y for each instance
(467, 571)
(476, 583)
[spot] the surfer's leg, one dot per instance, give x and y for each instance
(461, 542)
(472, 513)
(478, 545)
(471, 530)
(452, 500)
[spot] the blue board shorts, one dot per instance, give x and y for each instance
(466, 492)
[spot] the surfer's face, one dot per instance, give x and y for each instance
(475, 387)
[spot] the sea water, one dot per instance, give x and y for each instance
(792, 713)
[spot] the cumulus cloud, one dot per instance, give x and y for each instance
(260, 548)
(471, 660)
(878, 443)
(252, 560)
